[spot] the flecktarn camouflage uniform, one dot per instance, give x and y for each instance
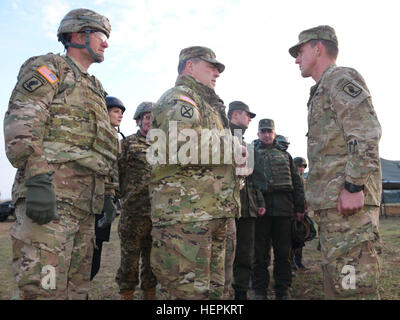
(134, 227)
(57, 121)
(191, 203)
(343, 138)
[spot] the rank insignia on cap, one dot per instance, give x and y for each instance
(32, 84)
(47, 74)
(187, 99)
(352, 90)
(187, 112)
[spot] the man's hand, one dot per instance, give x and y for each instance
(350, 203)
(261, 211)
(242, 169)
(41, 203)
(110, 211)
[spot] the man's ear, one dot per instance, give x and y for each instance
(78, 38)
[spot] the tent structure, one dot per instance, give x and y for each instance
(390, 187)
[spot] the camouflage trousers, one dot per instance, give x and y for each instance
(53, 261)
(188, 259)
(350, 261)
(229, 293)
(135, 235)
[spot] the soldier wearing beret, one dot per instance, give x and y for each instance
(191, 203)
(251, 206)
(344, 181)
(284, 200)
(134, 226)
(58, 135)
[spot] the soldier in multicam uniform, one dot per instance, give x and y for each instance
(344, 181)
(58, 135)
(284, 199)
(240, 250)
(115, 109)
(134, 226)
(191, 203)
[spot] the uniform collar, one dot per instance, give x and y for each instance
(77, 64)
(204, 91)
(328, 70)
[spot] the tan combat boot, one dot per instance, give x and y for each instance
(127, 295)
(149, 294)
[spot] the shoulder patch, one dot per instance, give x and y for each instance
(351, 89)
(187, 99)
(32, 84)
(47, 74)
(187, 112)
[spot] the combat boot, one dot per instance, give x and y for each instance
(127, 295)
(149, 294)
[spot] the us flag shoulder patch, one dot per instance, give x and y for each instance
(47, 74)
(187, 99)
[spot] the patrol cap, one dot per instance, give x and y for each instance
(266, 124)
(239, 105)
(317, 33)
(203, 53)
(143, 108)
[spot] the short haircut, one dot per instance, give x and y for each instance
(230, 113)
(331, 48)
(182, 64)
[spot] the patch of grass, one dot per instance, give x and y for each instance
(307, 285)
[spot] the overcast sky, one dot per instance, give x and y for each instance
(251, 38)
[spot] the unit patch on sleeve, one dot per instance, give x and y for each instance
(187, 112)
(352, 90)
(47, 74)
(32, 84)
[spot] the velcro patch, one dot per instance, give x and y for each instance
(32, 84)
(352, 90)
(187, 112)
(47, 74)
(187, 99)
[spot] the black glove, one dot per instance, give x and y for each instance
(110, 211)
(41, 203)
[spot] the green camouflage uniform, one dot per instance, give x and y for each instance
(57, 121)
(191, 203)
(343, 137)
(134, 226)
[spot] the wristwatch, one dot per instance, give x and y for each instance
(353, 188)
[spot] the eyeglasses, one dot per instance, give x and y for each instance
(147, 117)
(264, 130)
(99, 35)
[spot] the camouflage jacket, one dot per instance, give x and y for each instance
(195, 191)
(57, 121)
(251, 198)
(134, 175)
(343, 137)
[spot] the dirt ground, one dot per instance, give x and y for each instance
(307, 285)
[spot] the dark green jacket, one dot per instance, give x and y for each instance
(251, 198)
(279, 202)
